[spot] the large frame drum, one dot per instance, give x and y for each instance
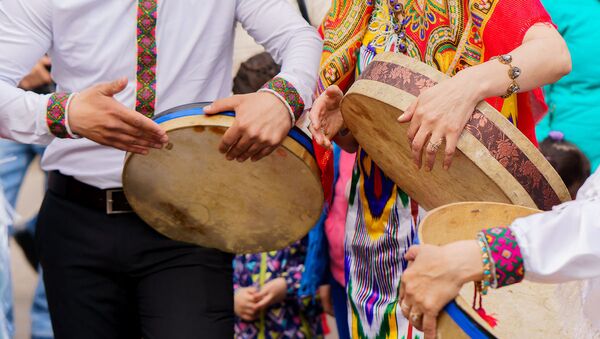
(494, 160)
(524, 310)
(190, 192)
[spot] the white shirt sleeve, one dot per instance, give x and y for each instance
(563, 244)
(292, 42)
(25, 36)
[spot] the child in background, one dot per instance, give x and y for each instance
(276, 292)
(568, 160)
(268, 297)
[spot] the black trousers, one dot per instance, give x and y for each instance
(112, 276)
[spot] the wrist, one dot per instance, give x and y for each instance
(57, 113)
(470, 267)
(477, 84)
(287, 94)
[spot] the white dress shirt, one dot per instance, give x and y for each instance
(93, 41)
(564, 244)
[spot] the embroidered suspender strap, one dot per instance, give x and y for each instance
(287, 93)
(146, 57)
(57, 115)
(506, 256)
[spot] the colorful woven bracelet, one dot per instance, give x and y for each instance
(288, 94)
(488, 265)
(57, 114)
(505, 253)
(513, 73)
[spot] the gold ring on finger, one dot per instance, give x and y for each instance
(434, 146)
(415, 317)
(404, 307)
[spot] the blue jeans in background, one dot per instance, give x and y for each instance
(12, 174)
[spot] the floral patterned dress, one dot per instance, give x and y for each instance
(297, 316)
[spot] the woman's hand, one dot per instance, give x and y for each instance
(434, 277)
(245, 303)
(440, 114)
(271, 293)
(326, 117)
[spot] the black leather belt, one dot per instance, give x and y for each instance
(110, 201)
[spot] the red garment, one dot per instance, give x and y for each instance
(504, 32)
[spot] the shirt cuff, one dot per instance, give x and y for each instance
(57, 115)
(506, 256)
(287, 93)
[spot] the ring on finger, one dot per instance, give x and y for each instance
(415, 318)
(434, 146)
(229, 147)
(404, 307)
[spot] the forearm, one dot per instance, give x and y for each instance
(23, 115)
(292, 42)
(561, 245)
(25, 36)
(543, 58)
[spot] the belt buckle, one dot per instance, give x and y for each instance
(109, 202)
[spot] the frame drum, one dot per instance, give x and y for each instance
(494, 161)
(190, 192)
(523, 310)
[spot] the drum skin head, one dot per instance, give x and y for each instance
(189, 192)
(524, 310)
(494, 161)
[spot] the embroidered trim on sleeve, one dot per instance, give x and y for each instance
(287, 93)
(506, 255)
(57, 115)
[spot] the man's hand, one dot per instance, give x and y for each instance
(245, 300)
(39, 75)
(261, 123)
(96, 115)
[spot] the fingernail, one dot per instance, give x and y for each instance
(446, 167)
(207, 108)
(164, 139)
(401, 115)
(158, 146)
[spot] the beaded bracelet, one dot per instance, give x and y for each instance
(513, 73)
(488, 265)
